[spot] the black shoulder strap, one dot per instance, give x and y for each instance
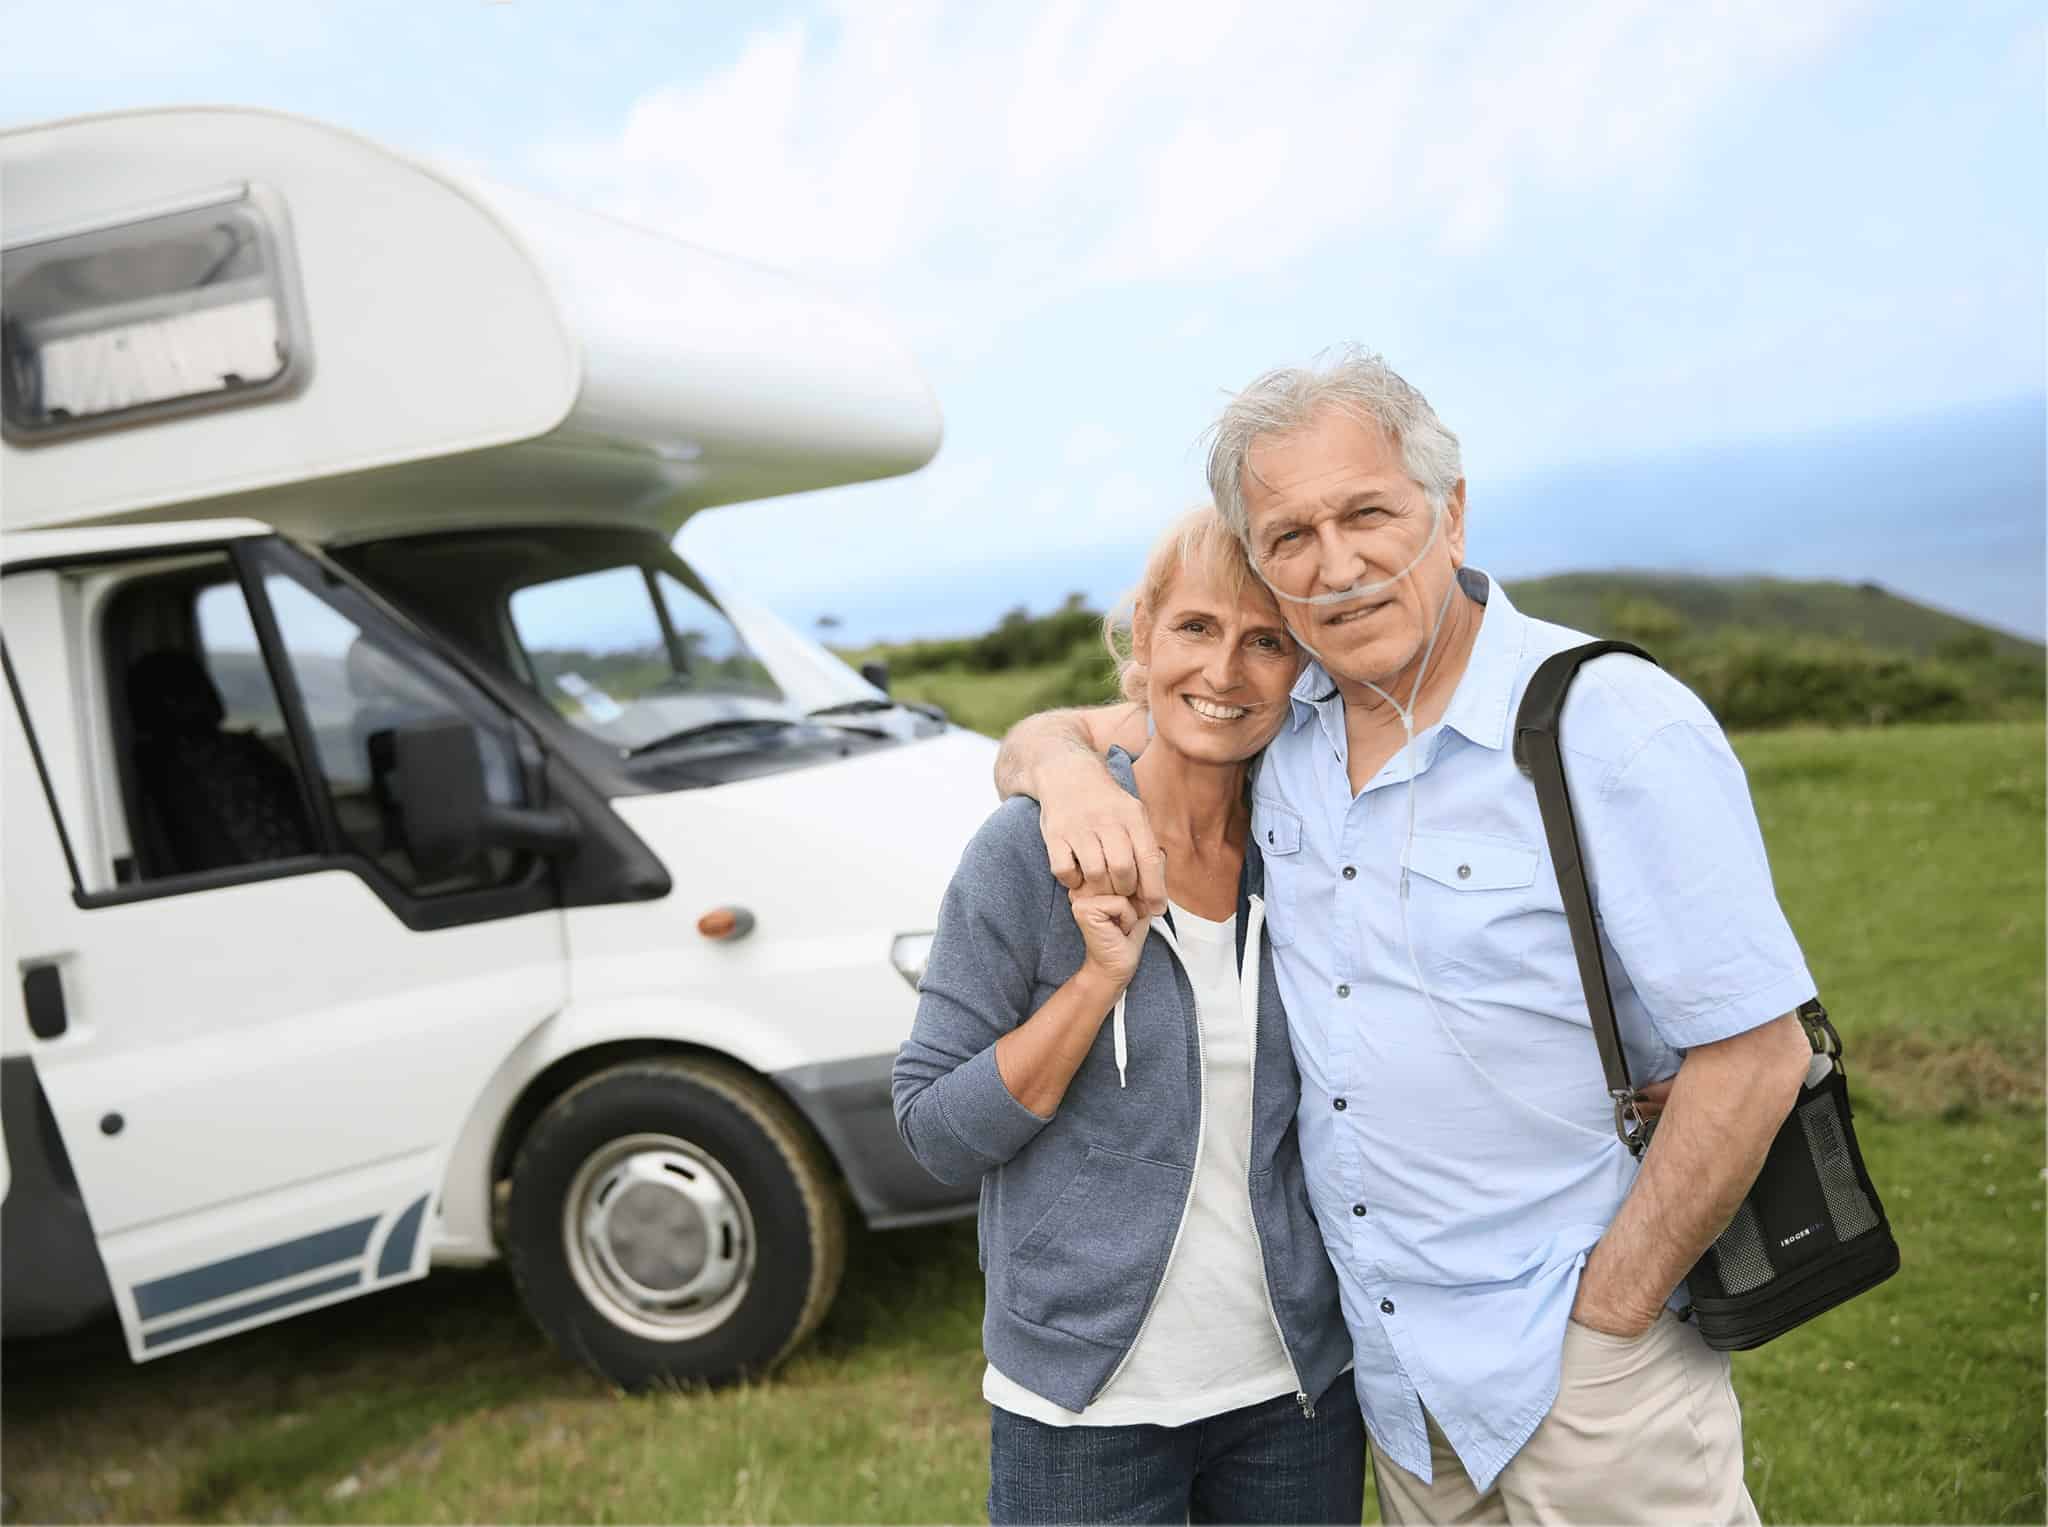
(1537, 755)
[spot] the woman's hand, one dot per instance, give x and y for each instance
(1114, 930)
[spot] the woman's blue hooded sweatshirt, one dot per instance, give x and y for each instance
(1079, 1212)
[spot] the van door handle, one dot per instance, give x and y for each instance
(42, 990)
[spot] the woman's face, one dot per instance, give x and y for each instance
(1219, 667)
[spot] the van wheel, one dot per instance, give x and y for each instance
(671, 1223)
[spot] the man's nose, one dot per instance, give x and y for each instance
(1338, 564)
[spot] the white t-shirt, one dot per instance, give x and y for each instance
(1211, 1342)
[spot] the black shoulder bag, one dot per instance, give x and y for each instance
(1811, 1232)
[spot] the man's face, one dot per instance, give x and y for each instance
(1332, 507)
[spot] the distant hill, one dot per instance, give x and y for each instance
(1761, 652)
(1603, 604)
(1865, 612)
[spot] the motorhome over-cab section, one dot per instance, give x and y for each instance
(311, 306)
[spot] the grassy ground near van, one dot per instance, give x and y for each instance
(1912, 863)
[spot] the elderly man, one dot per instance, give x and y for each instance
(1512, 1279)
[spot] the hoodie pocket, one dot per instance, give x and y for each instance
(1299, 1273)
(1088, 1265)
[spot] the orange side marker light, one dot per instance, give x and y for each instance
(726, 923)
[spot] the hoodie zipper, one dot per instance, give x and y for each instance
(1248, 996)
(1165, 931)
(1255, 916)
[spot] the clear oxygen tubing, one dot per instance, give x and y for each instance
(1407, 756)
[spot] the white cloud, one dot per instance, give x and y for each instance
(985, 173)
(1006, 155)
(752, 161)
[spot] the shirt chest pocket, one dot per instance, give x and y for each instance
(1277, 832)
(1474, 903)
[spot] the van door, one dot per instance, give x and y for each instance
(259, 1024)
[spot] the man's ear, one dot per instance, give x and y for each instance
(1454, 524)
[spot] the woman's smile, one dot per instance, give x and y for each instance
(1216, 710)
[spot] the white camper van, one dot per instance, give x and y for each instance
(408, 859)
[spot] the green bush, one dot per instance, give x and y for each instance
(1087, 678)
(1646, 622)
(1019, 640)
(1022, 640)
(1751, 682)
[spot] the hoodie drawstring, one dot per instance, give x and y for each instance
(1119, 1039)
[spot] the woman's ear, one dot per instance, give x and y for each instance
(1141, 634)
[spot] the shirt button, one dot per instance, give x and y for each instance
(1350, 872)
(1386, 1306)
(1464, 872)
(1359, 1210)
(1338, 1104)
(1343, 991)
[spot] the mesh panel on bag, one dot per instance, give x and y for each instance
(1739, 1256)
(1848, 1205)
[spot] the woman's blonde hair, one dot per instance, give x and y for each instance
(1198, 538)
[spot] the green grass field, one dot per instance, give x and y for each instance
(1912, 864)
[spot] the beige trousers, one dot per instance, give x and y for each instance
(1642, 1431)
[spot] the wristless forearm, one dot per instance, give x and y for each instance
(1683, 1197)
(1724, 1110)
(1037, 1059)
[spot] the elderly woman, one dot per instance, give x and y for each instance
(1163, 1336)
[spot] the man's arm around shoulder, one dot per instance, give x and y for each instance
(1096, 834)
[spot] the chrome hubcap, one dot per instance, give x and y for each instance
(659, 1237)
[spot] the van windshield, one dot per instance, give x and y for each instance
(610, 627)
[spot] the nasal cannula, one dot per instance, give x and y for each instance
(1407, 755)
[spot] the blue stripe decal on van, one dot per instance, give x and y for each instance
(253, 1308)
(216, 1280)
(396, 1257)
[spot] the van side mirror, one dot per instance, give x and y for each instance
(876, 673)
(449, 819)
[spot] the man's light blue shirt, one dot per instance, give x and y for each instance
(1455, 1125)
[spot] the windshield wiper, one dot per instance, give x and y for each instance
(869, 706)
(712, 729)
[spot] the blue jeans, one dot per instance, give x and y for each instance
(1263, 1463)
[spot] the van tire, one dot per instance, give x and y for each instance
(736, 1140)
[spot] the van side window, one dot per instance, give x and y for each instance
(233, 656)
(212, 785)
(357, 693)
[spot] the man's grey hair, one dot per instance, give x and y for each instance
(1352, 378)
